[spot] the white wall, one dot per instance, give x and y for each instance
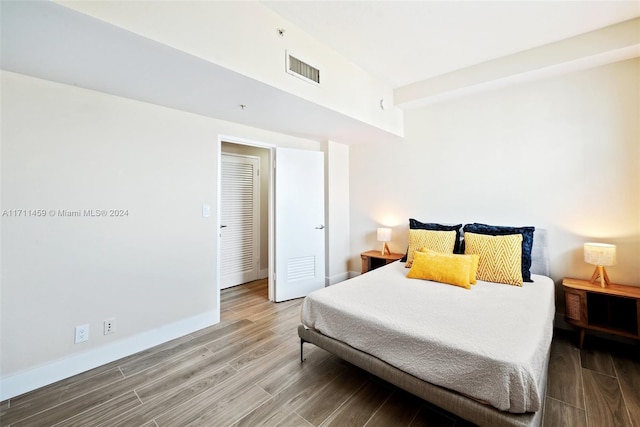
(337, 201)
(561, 154)
(154, 270)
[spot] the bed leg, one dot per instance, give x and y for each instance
(301, 350)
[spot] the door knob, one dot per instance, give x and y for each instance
(320, 227)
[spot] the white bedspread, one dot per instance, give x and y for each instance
(490, 342)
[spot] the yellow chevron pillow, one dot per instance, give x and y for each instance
(444, 268)
(500, 257)
(435, 240)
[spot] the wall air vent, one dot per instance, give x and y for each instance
(299, 68)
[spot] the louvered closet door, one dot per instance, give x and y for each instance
(239, 220)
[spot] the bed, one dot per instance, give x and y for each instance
(481, 354)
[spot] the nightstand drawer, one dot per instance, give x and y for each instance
(575, 306)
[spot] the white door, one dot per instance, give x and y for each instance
(299, 218)
(239, 220)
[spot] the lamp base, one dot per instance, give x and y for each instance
(385, 248)
(600, 273)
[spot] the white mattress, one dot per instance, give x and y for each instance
(490, 342)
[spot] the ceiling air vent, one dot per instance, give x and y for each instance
(299, 68)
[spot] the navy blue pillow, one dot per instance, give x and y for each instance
(497, 230)
(414, 224)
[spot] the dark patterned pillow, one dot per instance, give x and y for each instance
(414, 224)
(498, 230)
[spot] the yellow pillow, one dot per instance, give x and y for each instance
(473, 272)
(439, 267)
(435, 240)
(500, 257)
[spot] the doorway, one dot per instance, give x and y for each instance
(300, 240)
(244, 214)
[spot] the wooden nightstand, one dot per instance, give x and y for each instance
(374, 259)
(614, 309)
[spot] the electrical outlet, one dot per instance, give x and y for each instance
(82, 333)
(109, 326)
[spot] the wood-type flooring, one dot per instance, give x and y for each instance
(246, 371)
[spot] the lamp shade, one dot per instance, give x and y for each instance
(384, 234)
(600, 254)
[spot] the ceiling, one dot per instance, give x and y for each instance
(46, 40)
(399, 42)
(403, 42)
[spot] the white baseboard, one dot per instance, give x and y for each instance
(31, 379)
(263, 274)
(337, 278)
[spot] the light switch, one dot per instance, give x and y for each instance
(206, 211)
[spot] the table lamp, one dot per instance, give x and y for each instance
(601, 255)
(384, 235)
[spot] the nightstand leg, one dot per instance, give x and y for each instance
(581, 339)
